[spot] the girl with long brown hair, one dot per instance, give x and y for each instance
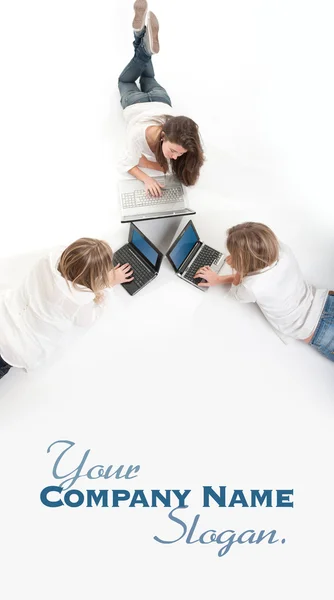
(156, 137)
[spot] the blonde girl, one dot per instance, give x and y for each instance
(267, 273)
(64, 289)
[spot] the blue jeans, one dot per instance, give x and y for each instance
(140, 66)
(323, 339)
(4, 367)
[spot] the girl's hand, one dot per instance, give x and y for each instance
(212, 278)
(209, 275)
(153, 187)
(122, 274)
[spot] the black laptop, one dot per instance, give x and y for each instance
(144, 258)
(188, 254)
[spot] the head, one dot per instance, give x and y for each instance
(180, 143)
(87, 262)
(252, 246)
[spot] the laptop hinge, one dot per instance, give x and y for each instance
(189, 258)
(141, 257)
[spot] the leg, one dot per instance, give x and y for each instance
(148, 71)
(138, 63)
(130, 93)
(323, 339)
(4, 367)
(152, 88)
(145, 44)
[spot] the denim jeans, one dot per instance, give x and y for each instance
(4, 367)
(323, 339)
(140, 67)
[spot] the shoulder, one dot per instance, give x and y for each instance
(243, 291)
(287, 259)
(285, 251)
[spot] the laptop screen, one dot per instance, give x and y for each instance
(143, 245)
(183, 245)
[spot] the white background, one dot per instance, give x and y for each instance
(195, 388)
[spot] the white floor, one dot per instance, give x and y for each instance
(193, 387)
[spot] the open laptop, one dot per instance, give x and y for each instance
(144, 258)
(188, 254)
(137, 205)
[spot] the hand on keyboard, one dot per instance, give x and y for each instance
(121, 274)
(210, 277)
(153, 187)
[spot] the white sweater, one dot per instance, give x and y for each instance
(138, 118)
(291, 305)
(34, 317)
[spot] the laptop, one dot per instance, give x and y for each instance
(188, 254)
(137, 205)
(144, 258)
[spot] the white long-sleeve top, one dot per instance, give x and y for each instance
(34, 317)
(291, 305)
(138, 118)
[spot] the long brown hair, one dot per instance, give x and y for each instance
(252, 246)
(87, 262)
(184, 132)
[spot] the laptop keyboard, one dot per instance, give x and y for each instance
(207, 256)
(141, 273)
(139, 198)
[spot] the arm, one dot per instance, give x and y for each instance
(211, 277)
(149, 164)
(151, 185)
(234, 279)
(138, 174)
(239, 291)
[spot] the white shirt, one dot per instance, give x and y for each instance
(138, 118)
(291, 305)
(34, 317)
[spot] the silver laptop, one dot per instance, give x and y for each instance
(137, 205)
(188, 254)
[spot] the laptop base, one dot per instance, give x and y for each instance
(158, 215)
